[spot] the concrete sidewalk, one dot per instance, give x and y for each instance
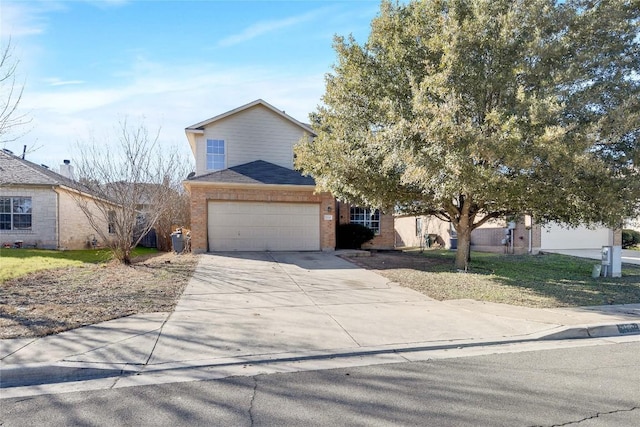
(243, 309)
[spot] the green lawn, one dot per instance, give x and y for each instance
(19, 262)
(548, 280)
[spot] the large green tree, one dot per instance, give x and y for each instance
(477, 109)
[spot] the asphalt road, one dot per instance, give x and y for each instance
(586, 386)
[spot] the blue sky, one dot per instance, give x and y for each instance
(86, 65)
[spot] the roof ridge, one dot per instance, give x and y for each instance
(251, 104)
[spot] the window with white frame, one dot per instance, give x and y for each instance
(215, 154)
(15, 213)
(367, 217)
(419, 226)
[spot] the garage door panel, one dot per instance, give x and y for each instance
(259, 226)
(555, 236)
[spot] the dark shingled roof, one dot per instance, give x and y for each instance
(258, 172)
(17, 171)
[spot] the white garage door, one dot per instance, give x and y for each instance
(554, 236)
(260, 226)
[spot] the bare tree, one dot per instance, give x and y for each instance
(10, 95)
(178, 214)
(133, 183)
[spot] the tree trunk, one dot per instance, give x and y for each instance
(122, 253)
(463, 253)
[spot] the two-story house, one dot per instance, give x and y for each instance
(247, 196)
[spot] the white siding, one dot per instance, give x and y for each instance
(553, 236)
(253, 134)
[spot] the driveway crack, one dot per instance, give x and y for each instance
(155, 344)
(253, 398)
(596, 415)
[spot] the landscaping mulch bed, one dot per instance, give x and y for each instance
(53, 301)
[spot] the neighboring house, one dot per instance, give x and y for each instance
(423, 231)
(500, 236)
(140, 195)
(246, 195)
(38, 209)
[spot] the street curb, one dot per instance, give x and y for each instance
(24, 375)
(42, 373)
(594, 331)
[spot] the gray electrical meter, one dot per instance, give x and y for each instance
(607, 252)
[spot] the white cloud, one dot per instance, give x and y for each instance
(168, 97)
(264, 27)
(21, 19)
(54, 81)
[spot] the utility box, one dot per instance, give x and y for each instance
(616, 261)
(611, 261)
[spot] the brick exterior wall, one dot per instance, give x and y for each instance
(48, 231)
(489, 239)
(617, 237)
(44, 212)
(202, 194)
(75, 230)
(386, 238)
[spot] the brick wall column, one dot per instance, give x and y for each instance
(198, 220)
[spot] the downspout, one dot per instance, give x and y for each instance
(57, 221)
(337, 223)
(528, 224)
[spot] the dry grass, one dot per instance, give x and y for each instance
(52, 301)
(531, 281)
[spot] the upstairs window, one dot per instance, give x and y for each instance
(367, 217)
(15, 213)
(215, 154)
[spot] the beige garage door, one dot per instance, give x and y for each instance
(259, 226)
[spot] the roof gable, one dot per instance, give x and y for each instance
(198, 127)
(257, 172)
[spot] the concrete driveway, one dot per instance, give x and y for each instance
(252, 304)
